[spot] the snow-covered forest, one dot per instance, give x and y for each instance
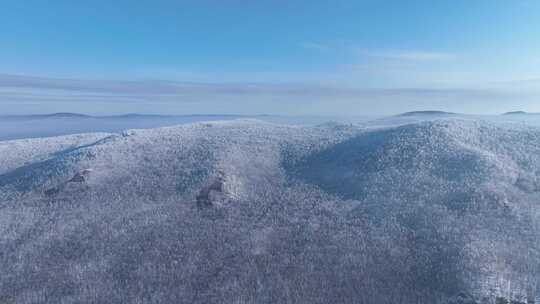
(443, 209)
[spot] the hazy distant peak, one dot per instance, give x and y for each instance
(520, 113)
(64, 114)
(429, 112)
(52, 115)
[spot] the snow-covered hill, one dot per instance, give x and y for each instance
(246, 211)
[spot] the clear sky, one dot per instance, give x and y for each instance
(269, 57)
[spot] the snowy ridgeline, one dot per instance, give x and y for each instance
(243, 211)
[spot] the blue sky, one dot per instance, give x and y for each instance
(274, 57)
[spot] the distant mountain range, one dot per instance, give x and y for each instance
(138, 115)
(64, 123)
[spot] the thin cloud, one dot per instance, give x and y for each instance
(529, 81)
(418, 56)
(13, 87)
(20, 85)
(59, 95)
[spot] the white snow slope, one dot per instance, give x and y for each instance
(244, 211)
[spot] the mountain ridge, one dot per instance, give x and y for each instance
(436, 209)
